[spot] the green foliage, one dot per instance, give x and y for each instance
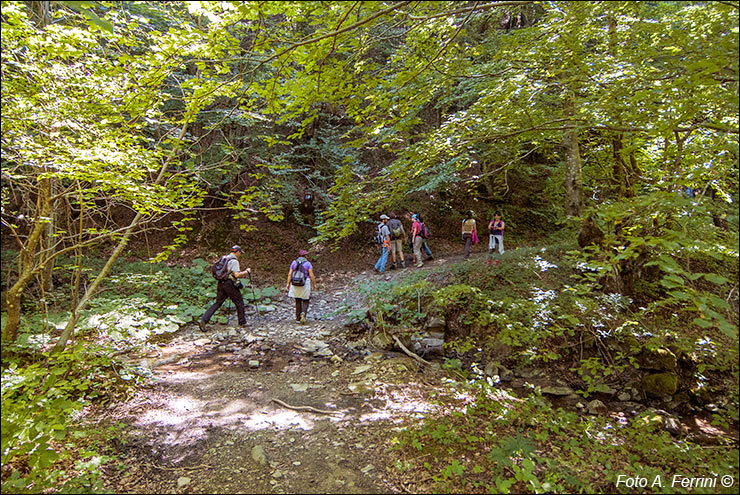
(506, 444)
(140, 300)
(595, 373)
(393, 304)
(676, 236)
(42, 402)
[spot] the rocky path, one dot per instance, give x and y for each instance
(277, 407)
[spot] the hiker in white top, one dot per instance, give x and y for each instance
(496, 238)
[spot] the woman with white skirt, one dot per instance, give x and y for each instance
(300, 280)
(496, 240)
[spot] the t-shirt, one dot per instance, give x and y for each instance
(416, 226)
(495, 230)
(468, 226)
(384, 231)
(233, 264)
(305, 267)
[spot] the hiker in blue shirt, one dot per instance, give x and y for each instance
(385, 243)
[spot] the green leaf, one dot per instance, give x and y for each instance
(715, 279)
(702, 322)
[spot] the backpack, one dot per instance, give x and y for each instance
(220, 268)
(424, 232)
(396, 228)
(378, 237)
(298, 278)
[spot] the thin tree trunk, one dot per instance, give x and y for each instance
(47, 248)
(27, 267)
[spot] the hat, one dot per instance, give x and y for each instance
(385, 217)
(302, 252)
(236, 248)
(415, 216)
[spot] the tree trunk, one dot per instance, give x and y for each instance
(27, 267)
(41, 12)
(573, 179)
(623, 170)
(47, 247)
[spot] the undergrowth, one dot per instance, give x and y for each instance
(46, 443)
(489, 441)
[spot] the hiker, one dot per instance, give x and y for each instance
(496, 238)
(468, 233)
(229, 288)
(299, 286)
(417, 239)
(398, 239)
(384, 241)
(424, 244)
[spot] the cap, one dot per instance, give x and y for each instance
(385, 217)
(236, 248)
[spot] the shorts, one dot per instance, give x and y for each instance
(396, 246)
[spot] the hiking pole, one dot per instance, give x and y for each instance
(254, 297)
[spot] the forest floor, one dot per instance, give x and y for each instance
(276, 407)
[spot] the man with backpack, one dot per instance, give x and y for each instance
(383, 240)
(398, 239)
(227, 271)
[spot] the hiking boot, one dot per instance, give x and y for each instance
(495, 263)
(376, 270)
(202, 325)
(419, 265)
(403, 264)
(393, 266)
(303, 319)
(430, 258)
(488, 263)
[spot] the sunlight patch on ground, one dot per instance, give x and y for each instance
(188, 376)
(188, 413)
(376, 416)
(280, 420)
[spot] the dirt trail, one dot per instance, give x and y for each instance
(277, 407)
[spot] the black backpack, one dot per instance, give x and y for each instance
(220, 268)
(396, 228)
(298, 278)
(424, 232)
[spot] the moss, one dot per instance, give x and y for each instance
(633, 344)
(657, 359)
(660, 384)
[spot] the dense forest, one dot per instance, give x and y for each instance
(599, 353)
